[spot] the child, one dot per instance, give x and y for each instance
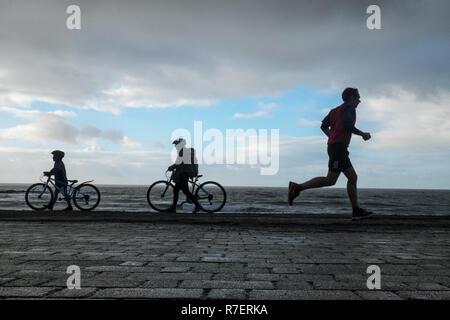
(59, 171)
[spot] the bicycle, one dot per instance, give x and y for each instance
(210, 194)
(85, 196)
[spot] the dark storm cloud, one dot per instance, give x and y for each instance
(169, 53)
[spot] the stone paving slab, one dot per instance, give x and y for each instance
(235, 294)
(237, 256)
(425, 295)
(25, 292)
(208, 284)
(150, 293)
(302, 295)
(73, 293)
(378, 295)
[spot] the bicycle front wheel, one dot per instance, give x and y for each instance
(86, 197)
(39, 196)
(211, 196)
(160, 195)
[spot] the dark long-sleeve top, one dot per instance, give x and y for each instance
(59, 170)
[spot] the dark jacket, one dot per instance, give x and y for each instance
(186, 165)
(59, 170)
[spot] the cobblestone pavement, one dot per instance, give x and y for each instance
(225, 256)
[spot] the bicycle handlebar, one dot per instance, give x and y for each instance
(43, 177)
(167, 176)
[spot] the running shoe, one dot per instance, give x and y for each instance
(361, 214)
(293, 192)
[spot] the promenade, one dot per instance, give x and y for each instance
(226, 256)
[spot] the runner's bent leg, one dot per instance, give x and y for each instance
(352, 189)
(319, 182)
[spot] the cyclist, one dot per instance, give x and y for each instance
(59, 171)
(185, 167)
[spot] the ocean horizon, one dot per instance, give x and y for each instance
(334, 200)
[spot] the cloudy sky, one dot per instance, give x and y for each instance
(112, 94)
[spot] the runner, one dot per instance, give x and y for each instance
(338, 125)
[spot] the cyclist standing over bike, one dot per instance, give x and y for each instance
(185, 167)
(59, 171)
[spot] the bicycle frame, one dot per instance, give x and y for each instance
(206, 193)
(67, 190)
(192, 181)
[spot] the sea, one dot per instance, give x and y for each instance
(267, 200)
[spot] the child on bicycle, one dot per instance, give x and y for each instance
(59, 171)
(185, 167)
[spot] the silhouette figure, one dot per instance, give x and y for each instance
(185, 167)
(59, 171)
(338, 125)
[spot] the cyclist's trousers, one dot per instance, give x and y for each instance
(183, 185)
(66, 197)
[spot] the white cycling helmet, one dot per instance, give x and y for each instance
(179, 140)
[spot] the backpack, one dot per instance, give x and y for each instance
(190, 165)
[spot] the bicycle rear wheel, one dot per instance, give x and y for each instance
(86, 197)
(211, 196)
(39, 196)
(160, 195)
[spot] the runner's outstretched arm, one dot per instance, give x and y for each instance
(364, 135)
(348, 117)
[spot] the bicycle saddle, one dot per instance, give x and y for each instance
(73, 181)
(199, 176)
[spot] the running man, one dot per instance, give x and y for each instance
(59, 171)
(338, 125)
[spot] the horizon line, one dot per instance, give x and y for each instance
(247, 186)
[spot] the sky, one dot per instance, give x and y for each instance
(115, 93)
